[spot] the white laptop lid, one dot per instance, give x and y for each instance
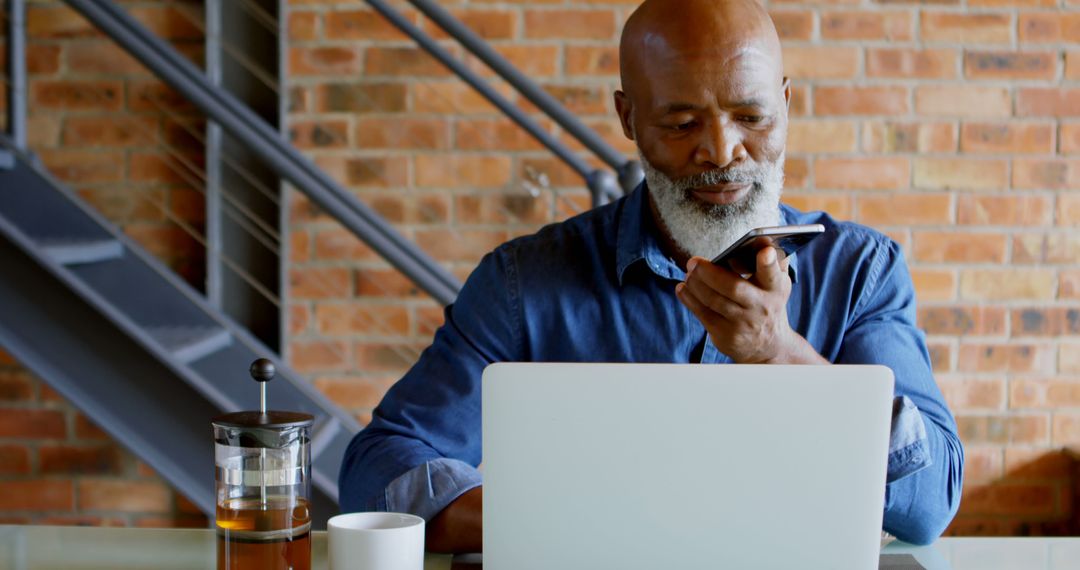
(684, 466)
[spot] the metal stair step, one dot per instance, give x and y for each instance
(190, 343)
(80, 251)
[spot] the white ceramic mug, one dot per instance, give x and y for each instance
(376, 541)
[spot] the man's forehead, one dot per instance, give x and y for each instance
(739, 76)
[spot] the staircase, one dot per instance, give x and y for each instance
(143, 354)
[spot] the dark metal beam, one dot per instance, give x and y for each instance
(16, 71)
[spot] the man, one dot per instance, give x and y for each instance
(706, 102)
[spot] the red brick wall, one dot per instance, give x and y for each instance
(953, 125)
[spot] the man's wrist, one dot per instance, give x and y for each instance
(795, 349)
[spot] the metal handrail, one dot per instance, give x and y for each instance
(241, 123)
(603, 184)
(16, 70)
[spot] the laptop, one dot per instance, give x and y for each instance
(684, 466)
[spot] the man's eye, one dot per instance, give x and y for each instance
(683, 126)
(752, 118)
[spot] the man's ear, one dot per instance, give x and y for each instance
(625, 109)
(786, 86)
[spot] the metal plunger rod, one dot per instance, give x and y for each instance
(262, 371)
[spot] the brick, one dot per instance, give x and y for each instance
(791, 24)
(384, 283)
(912, 63)
(163, 168)
(402, 133)
(866, 25)
(1044, 321)
(170, 522)
(299, 319)
(40, 59)
(462, 171)
(40, 495)
(1063, 248)
(1066, 430)
(392, 358)
(962, 320)
(1047, 102)
(570, 24)
(813, 136)
(319, 134)
(796, 173)
(1007, 284)
(905, 209)
(592, 61)
(64, 95)
(549, 173)
(32, 424)
(1014, 429)
(1048, 27)
(934, 284)
(319, 355)
(1029, 248)
(1069, 285)
(340, 245)
(821, 62)
(14, 460)
(488, 24)
(325, 60)
(923, 137)
(578, 99)
(940, 356)
(965, 28)
(800, 101)
(1023, 463)
(1004, 210)
(1016, 499)
(860, 101)
(319, 282)
(124, 496)
(338, 319)
(1037, 173)
(961, 174)
(982, 464)
(956, 247)
(1007, 138)
(974, 395)
(1010, 65)
(533, 60)
(1070, 138)
(1026, 358)
(1072, 65)
(354, 392)
(840, 206)
(85, 429)
(1069, 359)
(57, 22)
(79, 460)
(104, 57)
(154, 96)
(303, 26)
(459, 245)
(494, 135)
(377, 172)
(361, 97)
(41, 130)
(963, 101)
(16, 386)
(452, 97)
(502, 209)
(1068, 210)
(168, 22)
(363, 25)
(109, 131)
(402, 62)
(882, 173)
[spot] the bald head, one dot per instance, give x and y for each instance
(660, 32)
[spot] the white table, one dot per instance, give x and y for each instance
(92, 548)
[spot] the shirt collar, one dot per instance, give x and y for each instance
(637, 239)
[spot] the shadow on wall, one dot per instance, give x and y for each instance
(1039, 498)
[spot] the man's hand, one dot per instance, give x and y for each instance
(746, 318)
(458, 527)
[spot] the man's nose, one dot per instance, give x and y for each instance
(721, 144)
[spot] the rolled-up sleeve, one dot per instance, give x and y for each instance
(926, 458)
(423, 446)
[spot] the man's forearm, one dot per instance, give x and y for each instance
(458, 527)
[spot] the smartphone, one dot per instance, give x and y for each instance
(741, 257)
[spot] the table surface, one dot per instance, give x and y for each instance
(93, 548)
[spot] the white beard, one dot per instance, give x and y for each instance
(706, 230)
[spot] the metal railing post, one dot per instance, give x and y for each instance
(16, 70)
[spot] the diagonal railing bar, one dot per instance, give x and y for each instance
(241, 123)
(16, 70)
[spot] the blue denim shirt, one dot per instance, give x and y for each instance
(598, 288)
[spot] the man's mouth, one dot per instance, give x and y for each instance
(725, 193)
